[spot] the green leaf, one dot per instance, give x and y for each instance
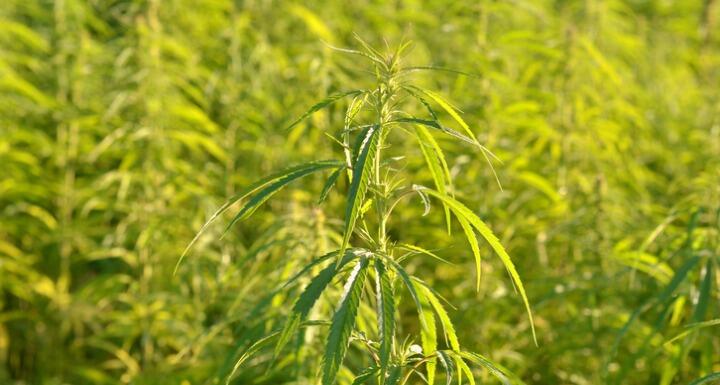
(288, 175)
(343, 322)
(434, 124)
(704, 293)
(461, 210)
(267, 192)
(362, 170)
(495, 369)
(693, 327)
(472, 240)
(437, 165)
(307, 299)
(322, 104)
(448, 364)
(451, 110)
(706, 379)
(365, 375)
(463, 367)
(385, 312)
(448, 328)
(428, 338)
(330, 183)
(407, 280)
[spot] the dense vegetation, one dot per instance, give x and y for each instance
(592, 151)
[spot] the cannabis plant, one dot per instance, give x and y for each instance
(366, 257)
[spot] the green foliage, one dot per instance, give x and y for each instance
(128, 126)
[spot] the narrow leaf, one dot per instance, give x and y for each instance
(461, 210)
(343, 322)
(330, 183)
(322, 104)
(362, 170)
(317, 165)
(385, 312)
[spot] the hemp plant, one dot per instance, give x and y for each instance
(367, 255)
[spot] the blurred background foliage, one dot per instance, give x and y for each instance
(125, 123)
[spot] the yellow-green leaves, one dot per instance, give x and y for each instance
(343, 322)
(322, 104)
(262, 190)
(461, 211)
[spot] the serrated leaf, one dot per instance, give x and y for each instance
(343, 322)
(451, 110)
(362, 170)
(330, 183)
(437, 165)
(461, 210)
(407, 280)
(267, 192)
(293, 172)
(385, 312)
(448, 364)
(322, 104)
(494, 368)
(307, 299)
(448, 328)
(472, 240)
(428, 338)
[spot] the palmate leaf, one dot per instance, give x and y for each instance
(460, 210)
(267, 192)
(322, 104)
(309, 296)
(452, 111)
(385, 312)
(362, 170)
(287, 175)
(343, 322)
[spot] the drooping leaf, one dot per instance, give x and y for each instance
(461, 210)
(294, 172)
(436, 163)
(267, 192)
(362, 170)
(448, 328)
(448, 363)
(495, 369)
(385, 312)
(322, 104)
(472, 240)
(451, 110)
(330, 183)
(343, 322)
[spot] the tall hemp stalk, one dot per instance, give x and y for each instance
(366, 251)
